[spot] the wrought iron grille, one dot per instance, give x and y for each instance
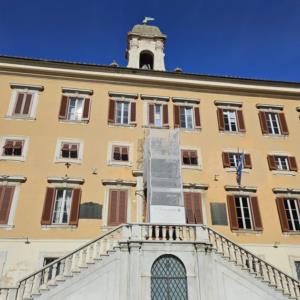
(168, 279)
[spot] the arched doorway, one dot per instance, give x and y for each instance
(146, 60)
(168, 279)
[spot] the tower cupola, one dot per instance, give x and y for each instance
(146, 47)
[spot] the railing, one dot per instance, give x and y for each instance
(255, 265)
(72, 263)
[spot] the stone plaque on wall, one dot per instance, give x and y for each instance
(90, 210)
(218, 214)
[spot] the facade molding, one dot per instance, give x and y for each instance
(185, 100)
(22, 86)
(9, 178)
(65, 179)
(67, 90)
(118, 182)
(292, 191)
(155, 98)
(228, 103)
(270, 106)
(236, 188)
(196, 186)
(121, 94)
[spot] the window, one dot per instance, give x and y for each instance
(120, 153)
(231, 120)
(13, 148)
(231, 160)
(122, 112)
(297, 267)
(193, 208)
(61, 206)
(6, 198)
(289, 214)
(52, 272)
(273, 123)
(74, 108)
(189, 157)
(157, 115)
(187, 117)
(282, 163)
(23, 103)
(117, 207)
(244, 213)
(168, 279)
(69, 151)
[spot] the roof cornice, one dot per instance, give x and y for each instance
(148, 77)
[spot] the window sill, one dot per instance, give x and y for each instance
(70, 161)
(193, 167)
(132, 125)
(22, 118)
(233, 170)
(247, 232)
(285, 173)
(189, 129)
(239, 133)
(73, 121)
(119, 164)
(156, 127)
(13, 158)
(276, 136)
(290, 233)
(7, 226)
(58, 226)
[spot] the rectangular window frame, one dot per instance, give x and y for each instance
(122, 103)
(120, 163)
(65, 192)
(23, 156)
(243, 208)
(59, 144)
(273, 124)
(199, 165)
(293, 223)
(186, 117)
(230, 121)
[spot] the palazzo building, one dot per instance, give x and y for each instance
(136, 168)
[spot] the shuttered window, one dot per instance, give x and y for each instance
(282, 163)
(74, 108)
(120, 153)
(231, 160)
(117, 207)
(69, 150)
(186, 117)
(244, 213)
(61, 206)
(121, 112)
(193, 208)
(158, 115)
(273, 123)
(23, 104)
(13, 147)
(231, 120)
(289, 213)
(189, 157)
(6, 197)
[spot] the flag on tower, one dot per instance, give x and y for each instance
(239, 168)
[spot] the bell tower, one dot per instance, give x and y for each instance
(146, 47)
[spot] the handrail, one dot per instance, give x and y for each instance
(250, 253)
(70, 254)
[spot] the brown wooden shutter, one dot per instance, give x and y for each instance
(111, 111)
(293, 163)
(63, 108)
(283, 124)
(48, 207)
(282, 215)
(165, 115)
(122, 209)
(19, 103)
(271, 162)
(6, 196)
(133, 112)
(263, 122)
(241, 122)
(198, 208)
(247, 161)
(27, 104)
(188, 208)
(234, 225)
(151, 114)
(74, 213)
(112, 209)
(221, 119)
(226, 161)
(86, 109)
(197, 117)
(176, 116)
(256, 214)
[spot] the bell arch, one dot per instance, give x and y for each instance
(146, 60)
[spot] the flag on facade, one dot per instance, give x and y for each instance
(239, 168)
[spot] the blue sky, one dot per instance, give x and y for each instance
(255, 39)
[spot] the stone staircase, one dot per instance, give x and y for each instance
(38, 284)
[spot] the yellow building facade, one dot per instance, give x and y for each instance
(80, 129)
